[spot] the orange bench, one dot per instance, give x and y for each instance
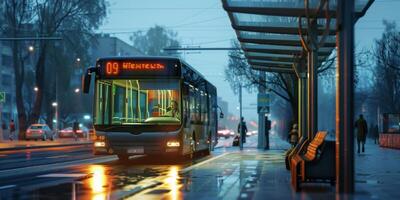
(316, 162)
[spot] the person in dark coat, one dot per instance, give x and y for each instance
(293, 136)
(12, 130)
(242, 129)
(362, 129)
(375, 134)
(267, 129)
(75, 128)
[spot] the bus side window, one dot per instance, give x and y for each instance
(185, 101)
(192, 105)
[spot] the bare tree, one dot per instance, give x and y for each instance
(44, 18)
(387, 71)
(282, 85)
(154, 40)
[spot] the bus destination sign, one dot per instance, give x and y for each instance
(116, 67)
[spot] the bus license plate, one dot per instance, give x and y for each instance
(136, 150)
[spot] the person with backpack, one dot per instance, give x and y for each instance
(12, 130)
(362, 129)
(75, 128)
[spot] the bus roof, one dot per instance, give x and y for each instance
(155, 58)
(139, 57)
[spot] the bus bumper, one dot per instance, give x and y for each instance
(152, 143)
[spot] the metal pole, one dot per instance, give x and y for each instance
(29, 38)
(240, 118)
(1, 121)
(312, 82)
(344, 98)
(261, 116)
(303, 104)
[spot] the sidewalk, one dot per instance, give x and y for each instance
(257, 174)
(6, 145)
(252, 141)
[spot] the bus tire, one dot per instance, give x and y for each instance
(123, 157)
(209, 147)
(193, 146)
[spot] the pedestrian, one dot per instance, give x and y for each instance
(12, 130)
(293, 136)
(267, 129)
(242, 129)
(4, 126)
(362, 129)
(75, 128)
(376, 134)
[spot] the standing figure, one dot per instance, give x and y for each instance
(294, 135)
(75, 128)
(376, 134)
(362, 129)
(267, 129)
(242, 129)
(12, 130)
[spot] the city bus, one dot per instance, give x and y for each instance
(151, 106)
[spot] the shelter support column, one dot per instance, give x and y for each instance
(261, 115)
(301, 74)
(344, 98)
(312, 107)
(302, 107)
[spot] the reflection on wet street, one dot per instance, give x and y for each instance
(226, 174)
(98, 183)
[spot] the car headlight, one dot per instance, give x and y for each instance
(99, 144)
(173, 144)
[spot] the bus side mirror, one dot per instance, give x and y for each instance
(86, 83)
(221, 115)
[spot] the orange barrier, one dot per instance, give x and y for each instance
(389, 140)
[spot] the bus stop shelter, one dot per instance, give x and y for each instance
(294, 36)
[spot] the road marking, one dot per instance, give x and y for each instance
(201, 163)
(55, 175)
(130, 190)
(55, 166)
(6, 187)
(60, 156)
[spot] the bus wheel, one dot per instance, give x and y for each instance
(208, 150)
(193, 146)
(123, 157)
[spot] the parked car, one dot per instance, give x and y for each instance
(69, 133)
(39, 131)
(251, 133)
(224, 133)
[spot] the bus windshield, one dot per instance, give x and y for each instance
(135, 102)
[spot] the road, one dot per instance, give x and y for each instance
(74, 173)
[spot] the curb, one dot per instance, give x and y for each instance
(44, 146)
(40, 169)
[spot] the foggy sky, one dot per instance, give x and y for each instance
(204, 23)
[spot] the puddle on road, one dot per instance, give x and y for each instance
(226, 177)
(103, 182)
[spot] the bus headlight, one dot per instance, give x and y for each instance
(173, 144)
(99, 144)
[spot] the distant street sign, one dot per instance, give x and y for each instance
(263, 102)
(2, 97)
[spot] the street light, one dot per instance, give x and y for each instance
(77, 90)
(55, 104)
(31, 48)
(78, 60)
(36, 89)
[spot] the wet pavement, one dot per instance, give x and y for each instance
(225, 174)
(7, 145)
